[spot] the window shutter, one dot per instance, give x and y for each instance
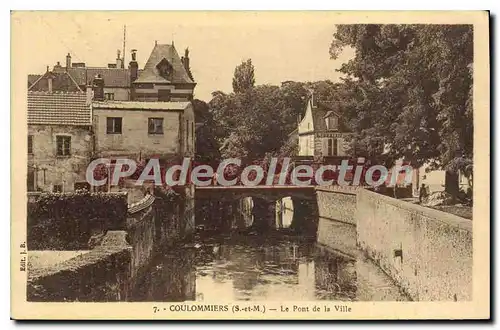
(67, 145)
(109, 125)
(118, 123)
(59, 144)
(324, 147)
(151, 126)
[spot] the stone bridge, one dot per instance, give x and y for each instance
(264, 198)
(260, 191)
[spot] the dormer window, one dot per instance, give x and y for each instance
(332, 122)
(165, 68)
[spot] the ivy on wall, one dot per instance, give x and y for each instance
(66, 221)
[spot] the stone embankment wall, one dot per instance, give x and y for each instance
(337, 224)
(428, 253)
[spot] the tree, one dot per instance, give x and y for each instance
(244, 77)
(410, 89)
(207, 146)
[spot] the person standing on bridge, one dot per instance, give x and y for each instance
(422, 194)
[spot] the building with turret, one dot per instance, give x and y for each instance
(165, 77)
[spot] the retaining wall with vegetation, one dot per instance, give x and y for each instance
(115, 260)
(67, 221)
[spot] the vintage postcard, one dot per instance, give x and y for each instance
(250, 165)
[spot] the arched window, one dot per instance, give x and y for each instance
(332, 122)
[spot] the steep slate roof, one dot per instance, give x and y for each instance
(150, 74)
(113, 77)
(32, 78)
(61, 81)
(139, 105)
(58, 108)
(320, 113)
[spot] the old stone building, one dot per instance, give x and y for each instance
(79, 113)
(321, 131)
(143, 130)
(60, 140)
(158, 121)
(165, 77)
(79, 76)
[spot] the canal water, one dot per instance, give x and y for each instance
(262, 268)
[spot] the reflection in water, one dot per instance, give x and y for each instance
(249, 270)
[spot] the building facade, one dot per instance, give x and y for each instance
(77, 114)
(321, 132)
(143, 130)
(165, 77)
(60, 141)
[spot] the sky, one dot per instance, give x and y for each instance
(283, 46)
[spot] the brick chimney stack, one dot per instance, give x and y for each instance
(133, 66)
(89, 93)
(98, 87)
(185, 63)
(68, 61)
(119, 60)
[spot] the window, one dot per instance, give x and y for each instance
(187, 134)
(332, 147)
(30, 144)
(109, 96)
(332, 122)
(63, 145)
(165, 69)
(114, 125)
(155, 126)
(164, 95)
(193, 133)
(57, 188)
(31, 179)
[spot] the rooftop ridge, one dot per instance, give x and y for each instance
(57, 92)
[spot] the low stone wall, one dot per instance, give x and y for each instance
(102, 274)
(337, 224)
(427, 252)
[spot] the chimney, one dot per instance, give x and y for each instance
(313, 99)
(90, 94)
(133, 66)
(98, 88)
(186, 59)
(68, 61)
(58, 67)
(49, 80)
(118, 59)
